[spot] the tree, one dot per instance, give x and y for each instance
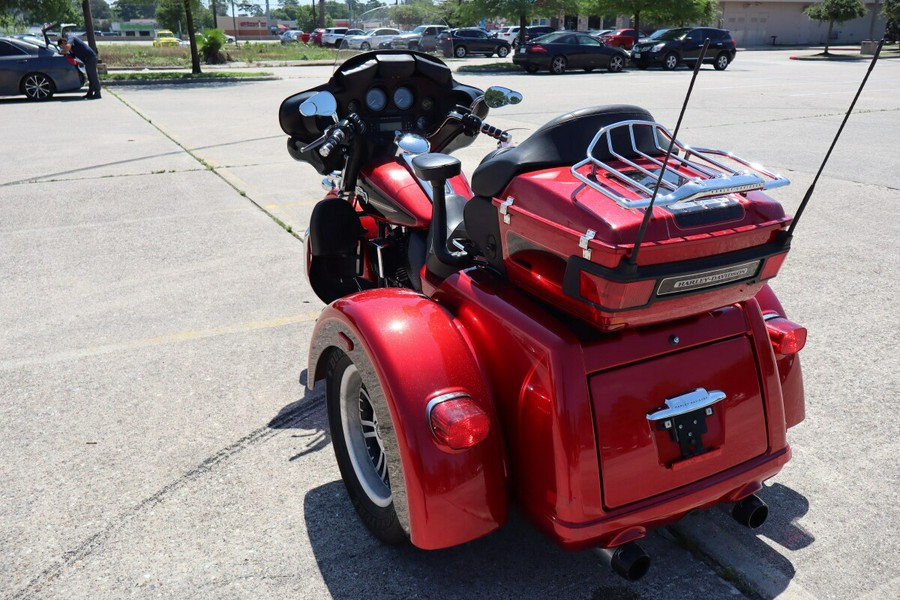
(38, 11)
(632, 8)
(890, 10)
(664, 12)
(135, 9)
(250, 9)
(835, 11)
(100, 9)
(523, 10)
(195, 56)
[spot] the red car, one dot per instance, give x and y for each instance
(620, 38)
(316, 37)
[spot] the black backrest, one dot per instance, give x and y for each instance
(560, 142)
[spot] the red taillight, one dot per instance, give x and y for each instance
(458, 422)
(71, 60)
(787, 337)
(615, 295)
(773, 264)
(537, 48)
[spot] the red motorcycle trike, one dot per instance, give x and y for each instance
(585, 329)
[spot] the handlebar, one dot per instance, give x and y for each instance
(341, 132)
(332, 141)
(495, 132)
(473, 124)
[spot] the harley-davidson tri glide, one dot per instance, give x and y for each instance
(584, 328)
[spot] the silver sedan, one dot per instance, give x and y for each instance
(36, 70)
(371, 39)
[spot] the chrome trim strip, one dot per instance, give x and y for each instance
(442, 398)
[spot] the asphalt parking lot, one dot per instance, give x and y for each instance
(158, 437)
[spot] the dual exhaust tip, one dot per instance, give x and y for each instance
(631, 562)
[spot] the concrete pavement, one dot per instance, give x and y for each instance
(155, 324)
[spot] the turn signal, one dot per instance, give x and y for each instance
(787, 337)
(458, 422)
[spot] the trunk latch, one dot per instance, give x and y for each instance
(685, 419)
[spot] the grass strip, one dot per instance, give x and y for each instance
(497, 67)
(172, 75)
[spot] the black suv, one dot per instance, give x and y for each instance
(460, 42)
(671, 47)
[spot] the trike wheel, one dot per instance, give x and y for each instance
(359, 449)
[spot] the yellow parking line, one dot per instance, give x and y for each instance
(175, 338)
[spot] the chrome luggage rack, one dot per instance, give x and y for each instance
(721, 172)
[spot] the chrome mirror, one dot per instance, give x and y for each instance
(496, 96)
(321, 104)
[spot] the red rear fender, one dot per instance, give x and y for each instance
(417, 351)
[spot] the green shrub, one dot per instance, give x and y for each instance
(211, 46)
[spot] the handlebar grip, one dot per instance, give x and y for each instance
(333, 141)
(495, 132)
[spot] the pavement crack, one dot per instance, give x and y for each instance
(95, 542)
(211, 167)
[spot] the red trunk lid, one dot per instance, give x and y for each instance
(640, 458)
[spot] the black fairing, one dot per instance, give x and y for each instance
(387, 69)
(334, 228)
(562, 142)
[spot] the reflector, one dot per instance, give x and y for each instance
(459, 423)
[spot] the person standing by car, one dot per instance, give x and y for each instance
(83, 52)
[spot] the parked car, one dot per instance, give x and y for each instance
(291, 36)
(509, 34)
(316, 36)
(533, 33)
(37, 70)
(671, 47)
(342, 41)
(563, 50)
(164, 37)
(371, 39)
(332, 35)
(462, 42)
(423, 37)
(621, 38)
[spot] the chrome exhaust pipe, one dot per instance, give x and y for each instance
(629, 560)
(750, 512)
